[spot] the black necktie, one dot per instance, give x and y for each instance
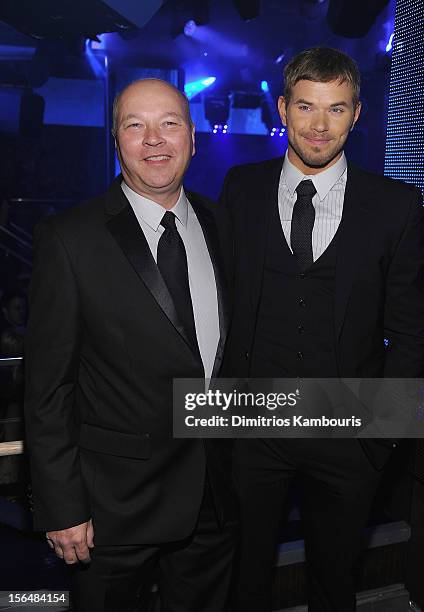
(302, 224)
(172, 263)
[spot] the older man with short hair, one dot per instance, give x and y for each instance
(129, 291)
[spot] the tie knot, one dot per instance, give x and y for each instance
(168, 221)
(306, 189)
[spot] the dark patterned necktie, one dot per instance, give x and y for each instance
(172, 263)
(302, 224)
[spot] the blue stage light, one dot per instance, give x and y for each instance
(195, 87)
(98, 63)
(265, 86)
(190, 27)
(389, 45)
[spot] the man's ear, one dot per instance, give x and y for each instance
(356, 114)
(282, 109)
(193, 140)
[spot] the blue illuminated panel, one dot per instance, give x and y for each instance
(405, 124)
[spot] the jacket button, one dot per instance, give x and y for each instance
(247, 355)
(300, 329)
(302, 303)
(302, 275)
(300, 354)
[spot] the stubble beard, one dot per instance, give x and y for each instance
(321, 160)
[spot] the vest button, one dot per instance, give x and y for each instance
(247, 354)
(300, 354)
(300, 329)
(302, 303)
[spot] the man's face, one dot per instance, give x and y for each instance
(154, 141)
(318, 117)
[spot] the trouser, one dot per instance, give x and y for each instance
(336, 484)
(193, 575)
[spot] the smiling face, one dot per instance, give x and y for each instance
(318, 117)
(154, 140)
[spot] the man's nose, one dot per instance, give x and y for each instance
(152, 136)
(319, 122)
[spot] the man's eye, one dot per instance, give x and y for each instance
(304, 107)
(337, 109)
(134, 125)
(171, 123)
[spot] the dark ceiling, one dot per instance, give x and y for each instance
(239, 53)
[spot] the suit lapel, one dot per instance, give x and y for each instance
(209, 228)
(125, 229)
(264, 195)
(355, 233)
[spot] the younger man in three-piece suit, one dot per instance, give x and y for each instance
(329, 262)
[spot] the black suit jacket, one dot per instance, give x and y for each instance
(379, 285)
(102, 347)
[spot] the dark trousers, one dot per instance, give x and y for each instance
(193, 575)
(336, 483)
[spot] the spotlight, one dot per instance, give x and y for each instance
(188, 16)
(195, 87)
(220, 129)
(389, 45)
(190, 27)
(217, 111)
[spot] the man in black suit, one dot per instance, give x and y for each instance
(329, 262)
(129, 291)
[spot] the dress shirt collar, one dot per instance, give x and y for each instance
(151, 212)
(323, 181)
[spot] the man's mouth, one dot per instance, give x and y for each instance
(317, 141)
(157, 158)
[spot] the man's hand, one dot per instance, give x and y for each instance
(72, 544)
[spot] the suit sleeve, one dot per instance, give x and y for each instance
(404, 310)
(51, 373)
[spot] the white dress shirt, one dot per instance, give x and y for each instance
(328, 201)
(201, 274)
